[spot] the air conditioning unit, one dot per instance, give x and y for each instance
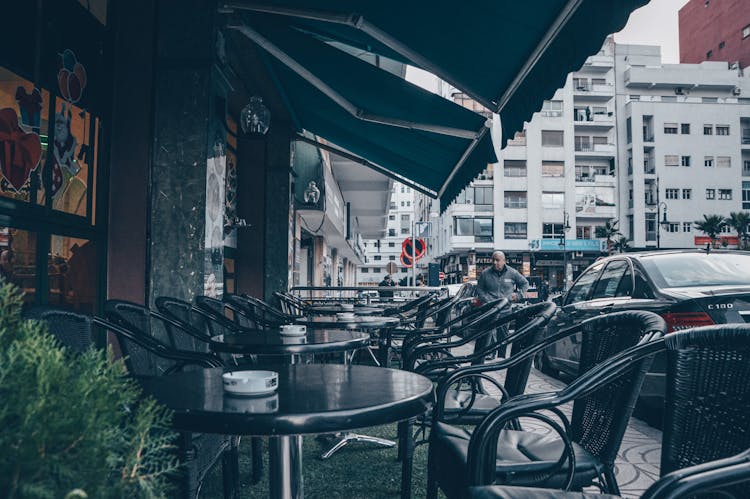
(736, 91)
(679, 91)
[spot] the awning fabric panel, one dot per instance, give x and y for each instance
(425, 157)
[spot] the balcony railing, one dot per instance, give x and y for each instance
(595, 148)
(648, 137)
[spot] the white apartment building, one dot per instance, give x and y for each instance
(685, 144)
(380, 252)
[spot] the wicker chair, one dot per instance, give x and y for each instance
(599, 421)
(72, 330)
(291, 304)
(705, 444)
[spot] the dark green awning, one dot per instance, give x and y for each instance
(507, 55)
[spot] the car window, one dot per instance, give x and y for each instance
(608, 283)
(642, 287)
(582, 286)
(698, 269)
(625, 288)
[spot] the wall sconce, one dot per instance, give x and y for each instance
(312, 193)
(255, 118)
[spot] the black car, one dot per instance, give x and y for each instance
(688, 288)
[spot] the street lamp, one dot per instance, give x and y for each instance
(661, 221)
(565, 229)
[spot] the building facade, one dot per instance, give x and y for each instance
(715, 30)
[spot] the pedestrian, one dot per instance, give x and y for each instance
(499, 281)
(386, 282)
(6, 266)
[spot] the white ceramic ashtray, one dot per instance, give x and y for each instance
(253, 405)
(250, 383)
(289, 339)
(293, 329)
(347, 307)
(345, 315)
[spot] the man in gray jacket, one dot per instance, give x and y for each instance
(499, 281)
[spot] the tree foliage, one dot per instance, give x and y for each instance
(622, 244)
(739, 221)
(74, 425)
(608, 231)
(711, 225)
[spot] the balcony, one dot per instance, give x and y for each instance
(595, 150)
(598, 92)
(649, 168)
(648, 137)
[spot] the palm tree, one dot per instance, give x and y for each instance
(608, 231)
(711, 225)
(622, 245)
(739, 221)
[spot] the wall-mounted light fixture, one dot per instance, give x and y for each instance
(255, 118)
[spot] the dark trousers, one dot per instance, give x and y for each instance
(491, 338)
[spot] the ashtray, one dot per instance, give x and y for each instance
(347, 307)
(252, 405)
(345, 315)
(293, 330)
(250, 383)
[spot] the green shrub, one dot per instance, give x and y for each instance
(74, 426)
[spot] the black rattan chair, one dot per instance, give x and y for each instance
(707, 413)
(590, 442)
(72, 330)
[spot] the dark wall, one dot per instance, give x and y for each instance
(133, 23)
(251, 201)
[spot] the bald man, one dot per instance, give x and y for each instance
(499, 281)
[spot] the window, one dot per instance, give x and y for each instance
(466, 196)
(515, 199)
(365, 270)
(722, 129)
(708, 161)
(708, 129)
(408, 190)
(405, 230)
(685, 128)
(553, 200)
(391, 232)
(746, 195)
(671, 160)
(709, 54)
(391, 244)
(650, 223)
(746, 31)
(725, 194)
(608, 283)
(669, 98)
(405, 218)
(582, 143)
(392, 257)
(552, 231)
(687, 193)
(672, 193)
(710, 193)
(552, 138)
(724, 161)
(552, 108)
(408, 203)
(402, 204)
(685, 160)
(670, 128)
(581, 289)
(391, 217)
(403, 270)
(483, 199)
(480, 228)
(392, 206)
(515, 230)
(746, 167)
(687, 227)
(376, 257)
(553, 168)
(635, 97)
(583, 232)
(514, 168)
(376, 270)
(673, 227)
(721, 45)
(402, 189)
(598, 81)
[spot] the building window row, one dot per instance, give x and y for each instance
(514, 168)
(724, 194)
(480, 227)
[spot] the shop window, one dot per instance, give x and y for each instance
(18, 260)
(24, 113)
(72, 273)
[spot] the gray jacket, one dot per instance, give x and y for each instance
(493, 284)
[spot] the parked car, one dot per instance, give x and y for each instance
(688, 288)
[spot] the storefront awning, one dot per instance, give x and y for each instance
(508, 56)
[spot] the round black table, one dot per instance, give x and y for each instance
(337, 309)
(271, 342)
(356, 322)
(310, 399)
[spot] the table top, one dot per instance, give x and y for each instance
(271, 342)
(311, 398)
(356, 322)
(336, 309)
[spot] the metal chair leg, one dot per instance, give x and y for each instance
(356, 437)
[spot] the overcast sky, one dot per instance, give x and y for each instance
(655, 24)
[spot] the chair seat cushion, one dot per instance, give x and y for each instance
(458, 411)
(522, 458)
(505, 492)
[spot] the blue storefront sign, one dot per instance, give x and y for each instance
(594, 245)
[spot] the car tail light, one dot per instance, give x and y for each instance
(677, 321)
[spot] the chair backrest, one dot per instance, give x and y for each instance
(190, 319)
(71, 329)
(600, 418)
(707, 405)
(290, 304)
(140, 360)
(528, 326)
